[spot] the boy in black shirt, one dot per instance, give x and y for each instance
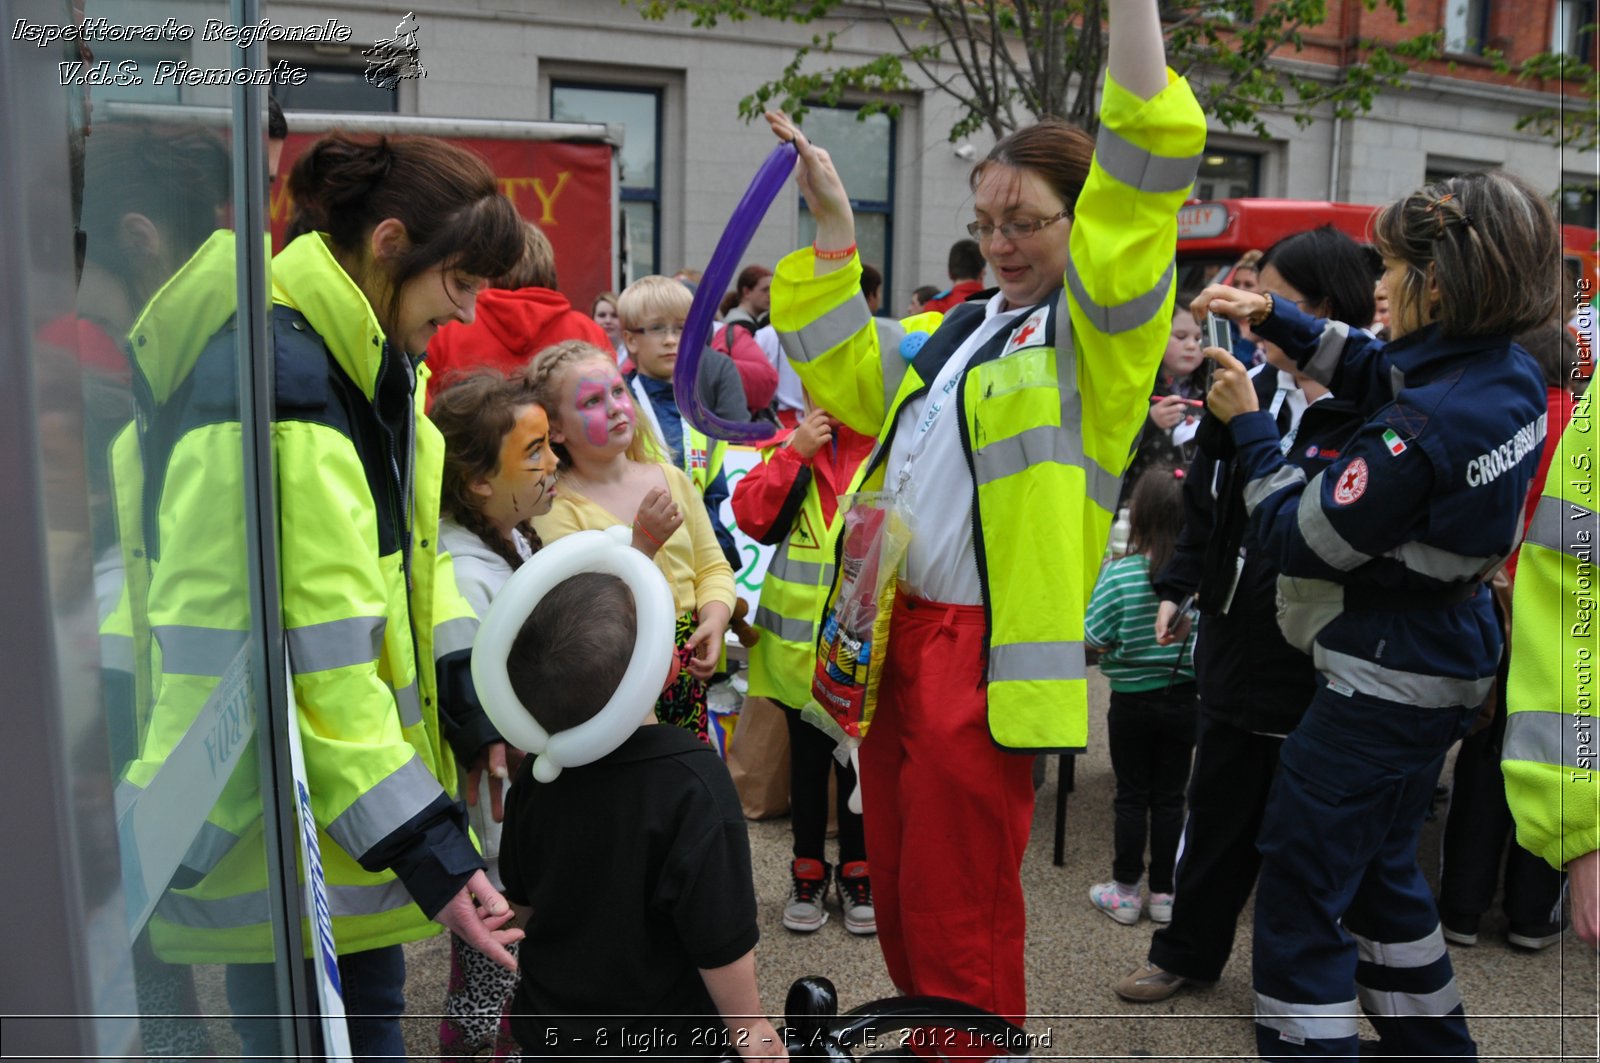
(641, 939)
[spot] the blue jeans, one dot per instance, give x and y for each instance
(374, 984)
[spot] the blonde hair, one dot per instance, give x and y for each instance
(650, 298)
(537, 268)
(546, 377)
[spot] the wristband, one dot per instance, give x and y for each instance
(1265, 312)
(832, 256)
(642, 530)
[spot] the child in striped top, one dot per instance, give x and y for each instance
(1151, 724)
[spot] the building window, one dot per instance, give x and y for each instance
(335, 87)
(1228, 175)
(863, 153)
(638, 111)
(1576, 204)
(1466, 26)
(1571, 32)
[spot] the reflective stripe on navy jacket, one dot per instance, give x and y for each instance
(1382, 552)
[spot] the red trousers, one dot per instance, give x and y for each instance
(947, 815)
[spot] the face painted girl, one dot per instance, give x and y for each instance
(596, 409)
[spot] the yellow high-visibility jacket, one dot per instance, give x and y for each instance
(1549, 756)
(369, 608)
(1048, 419)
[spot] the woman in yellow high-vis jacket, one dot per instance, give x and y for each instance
(399, 235)
(1549, 758)
(1005, 440)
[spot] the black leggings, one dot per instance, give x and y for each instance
(1151, 737)
(810, 754)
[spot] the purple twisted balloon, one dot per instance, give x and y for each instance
(719, 274)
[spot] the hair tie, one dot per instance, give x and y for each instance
(1441, 216)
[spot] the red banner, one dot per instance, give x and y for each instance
(565, 189)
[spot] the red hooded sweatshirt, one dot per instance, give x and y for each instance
(511, 327)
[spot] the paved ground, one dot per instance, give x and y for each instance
(1540, 1006)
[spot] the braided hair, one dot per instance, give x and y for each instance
(474, 412)
(546, 378)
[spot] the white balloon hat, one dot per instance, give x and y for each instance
(586, 551)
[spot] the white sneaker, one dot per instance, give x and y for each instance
(1160, 907)
(1118, 905)
(808, 890)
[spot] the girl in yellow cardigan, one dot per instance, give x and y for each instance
(610, 473)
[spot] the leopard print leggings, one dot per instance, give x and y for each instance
(480, 990)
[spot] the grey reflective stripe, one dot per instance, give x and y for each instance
(1308, 1022)
(1549, 738)
(890, 335)
(1046, 444)
(1408, 688)
(1417, 953)
(1441, 564)
(214, 913)
(1551, 519)
(116, 653)
(827, 331)
(377, 813)
(454, 636)
(210, 845)
(1144, 170)
(197, 650)
(335, 643)
(1330, 348)
(250, 909)
(409, 705)
(1036, 662)
(810, 573)
(1396, 1004)
(1123, 317)
(1262, 488)
(786, 628)
(1319, 533)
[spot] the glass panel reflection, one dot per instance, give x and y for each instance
(150, 358)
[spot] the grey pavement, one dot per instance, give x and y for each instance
(1520, 1005)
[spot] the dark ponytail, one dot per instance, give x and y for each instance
(445, 196)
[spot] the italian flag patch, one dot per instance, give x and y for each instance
(1395, 444)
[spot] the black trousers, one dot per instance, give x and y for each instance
(1479, 832)
(810, 756)
(1151, 736)
(1233, 771)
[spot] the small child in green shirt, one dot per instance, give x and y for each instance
(1151, 723)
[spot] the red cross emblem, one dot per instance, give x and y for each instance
(1023, 333)
(1352, 483)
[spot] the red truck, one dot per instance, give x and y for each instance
(1213, 235)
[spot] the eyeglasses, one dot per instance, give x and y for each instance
(657, 332)
(1013, 230)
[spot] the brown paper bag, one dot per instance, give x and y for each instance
(758, 760)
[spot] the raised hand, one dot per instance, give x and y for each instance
(823, 190)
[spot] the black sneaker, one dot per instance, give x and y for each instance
(1459, 929)
(1532, 938)
(855, 897)
(807, 890)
